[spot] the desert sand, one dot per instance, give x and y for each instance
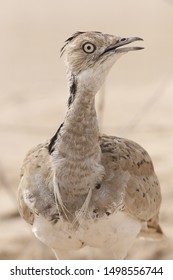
(138, 100)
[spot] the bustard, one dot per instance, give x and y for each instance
(82, 189)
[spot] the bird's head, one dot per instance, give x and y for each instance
(90, 55)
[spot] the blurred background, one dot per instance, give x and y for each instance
(138, 100)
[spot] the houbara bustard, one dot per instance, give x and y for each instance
(82, 189)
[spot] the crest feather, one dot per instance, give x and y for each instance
(73, 36)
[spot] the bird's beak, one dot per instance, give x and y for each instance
(117, 48)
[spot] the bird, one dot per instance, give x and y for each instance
(83, 191)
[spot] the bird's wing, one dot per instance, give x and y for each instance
(35, 192)
(129, 169)
(24, 210)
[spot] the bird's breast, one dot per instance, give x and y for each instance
(114, 232)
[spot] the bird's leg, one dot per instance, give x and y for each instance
(63, 255)
(58, 254)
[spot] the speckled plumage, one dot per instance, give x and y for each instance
(83, 189)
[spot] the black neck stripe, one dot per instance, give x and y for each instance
(73, 89)
(51, 146)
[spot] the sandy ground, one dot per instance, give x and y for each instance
(138, 101)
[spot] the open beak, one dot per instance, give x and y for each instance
(118, 47)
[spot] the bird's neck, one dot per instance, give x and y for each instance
(81, 123)
(77, 153)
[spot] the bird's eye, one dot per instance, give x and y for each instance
(89, 47)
